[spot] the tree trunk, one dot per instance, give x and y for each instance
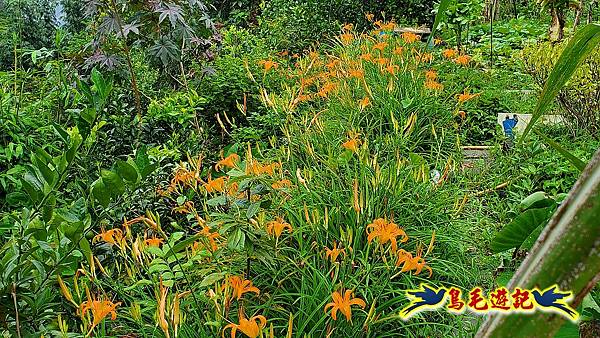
(557, 27)
(578, 13)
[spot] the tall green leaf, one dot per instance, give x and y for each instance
(439, 17)
(580, 46)
(579, 164)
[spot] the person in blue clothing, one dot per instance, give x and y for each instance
(509, 124)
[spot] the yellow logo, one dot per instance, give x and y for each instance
(427, 298)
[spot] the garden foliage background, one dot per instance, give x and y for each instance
(201, 168)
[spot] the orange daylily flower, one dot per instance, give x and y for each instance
(332, 64)
(326, 89)
(381, 61)
(228, 162)
(112, 236)
(347, 27)
(369, 16)
(277, 226)
(268, 64)
(431, 75)
(365, 102)
(232, 189)
(449, 53)
(285, 183)
(357, 73)
(154, 241)
(464, 97)
(352, 143)
(434, 85)
(366, 57)
(463, 60)
(241, 286)
(398, 51)
(386, 231)
(255, 168)
(269, 169)
(416, 263)
(380, 46)
(334, 252)
(343, 304)
(346, 38)
(410, 37)
(392, 69)
(185, 177)
(425, 57)
(100, 309)
(215, 185)
(386, 26)
(211, 236)
(250, 327)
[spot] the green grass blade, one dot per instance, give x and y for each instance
(579, 164)
(441, 13)
(580, 46)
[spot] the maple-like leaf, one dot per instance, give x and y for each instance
(171, 11)
(165, 50)
(131, 28)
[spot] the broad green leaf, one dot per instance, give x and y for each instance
(568, 330)
(84, 245)
(142, 282)
(212, 279)
(103, 87)
(237, 240)
(100, 192)
(113, 182)
(579, 47)
(32, 186)
(532, 199)
(127, 171)
(181, 245)
(154, 250)
(217, 201)
(517, 231)
(48, 208)
(158, 268)
(49, 175)
(61, 132)
(252, 209)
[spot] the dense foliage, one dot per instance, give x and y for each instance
(280, 168)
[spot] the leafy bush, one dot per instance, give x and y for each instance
(579, 100)
(296, 25)
(27, 25)
(509, 37)
(232, 95)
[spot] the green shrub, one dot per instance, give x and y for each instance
(231, 93)
(579, 99)
(296, 25)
